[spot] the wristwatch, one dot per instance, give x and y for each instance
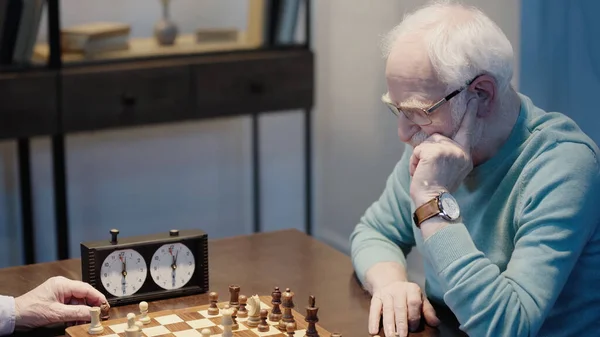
(443, 205)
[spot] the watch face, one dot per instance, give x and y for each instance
(449, 206)
(172, 266)
(123, 272)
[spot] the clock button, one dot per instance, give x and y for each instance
(114, 233)
(174, 232)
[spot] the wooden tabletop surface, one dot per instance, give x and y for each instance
(257, 263)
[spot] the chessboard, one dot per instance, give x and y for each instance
(189, 322)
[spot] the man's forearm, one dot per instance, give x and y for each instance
(384, 273)
(7, 315)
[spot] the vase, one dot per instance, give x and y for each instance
(165, 30)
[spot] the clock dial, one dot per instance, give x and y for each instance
(123, 272)
(172, 266)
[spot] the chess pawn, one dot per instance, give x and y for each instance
(144, 313)
(227, 322)
(337, 334)
(242, 312)
(234, 325)
(205, 332)
(263, 326)
(275, 315)
(96, 327)
(139, 325)
(133, 331)
(290, 328)
(213, 297)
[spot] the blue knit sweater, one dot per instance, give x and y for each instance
(524, 260)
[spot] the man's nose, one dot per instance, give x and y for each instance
(406, 128)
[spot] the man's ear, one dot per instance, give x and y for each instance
(484, 88)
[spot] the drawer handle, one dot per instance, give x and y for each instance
(257, 88)
(127, 99)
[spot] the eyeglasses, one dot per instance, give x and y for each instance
(421, 116)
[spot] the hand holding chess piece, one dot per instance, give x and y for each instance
(144, 318)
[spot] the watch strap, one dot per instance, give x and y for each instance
(426, 211)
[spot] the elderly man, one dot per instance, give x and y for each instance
(497, 195)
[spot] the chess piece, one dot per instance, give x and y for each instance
(226, 321)
(287, 303)
(133, 331)
(275, 315)
(242, 312)
(253, 311)
(205, 332)
(290, 328)
(213, 297)
(234, 292)
(104, 311)
(144, 312)
(337, 334)
(96, 327)
(139, 325)
(130, 320)
(263, 326)
(311, 318)
(234, 325)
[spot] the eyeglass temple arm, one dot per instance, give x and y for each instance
(444, 100)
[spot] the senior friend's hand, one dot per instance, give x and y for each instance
(400, 302)
(57, 300)
(440, 163)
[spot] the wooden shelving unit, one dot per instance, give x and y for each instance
(67, 96)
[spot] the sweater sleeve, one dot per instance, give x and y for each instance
(384, 233)
(7, 315)
(554, 220)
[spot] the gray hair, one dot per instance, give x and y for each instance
(462, 42)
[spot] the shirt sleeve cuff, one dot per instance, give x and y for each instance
(7, 315)
(448, 245)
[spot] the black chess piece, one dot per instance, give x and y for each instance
(275, 315)
(311, 317)
(213, 297)
(234, 291)
(288, 304)
(263, 326)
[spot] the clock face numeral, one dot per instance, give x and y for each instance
(123, 272)
(172, 266)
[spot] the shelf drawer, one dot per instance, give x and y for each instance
(27, 105)
(275, 81)
(115, 97)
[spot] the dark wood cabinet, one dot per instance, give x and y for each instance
(110, 97)
(28, 104)
(255, 84)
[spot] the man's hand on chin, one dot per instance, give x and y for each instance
(440, 164)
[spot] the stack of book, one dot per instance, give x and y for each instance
(92, 39)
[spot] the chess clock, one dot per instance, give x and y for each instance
(145, 268)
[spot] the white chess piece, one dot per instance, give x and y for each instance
(133, 331)
(205, 332)
(144, 312)
(253, 306)
(130, 320)
(227, 321)
(96, 327)
(139, 325)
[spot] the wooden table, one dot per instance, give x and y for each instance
(256, 263)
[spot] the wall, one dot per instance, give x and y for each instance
(199, 174)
